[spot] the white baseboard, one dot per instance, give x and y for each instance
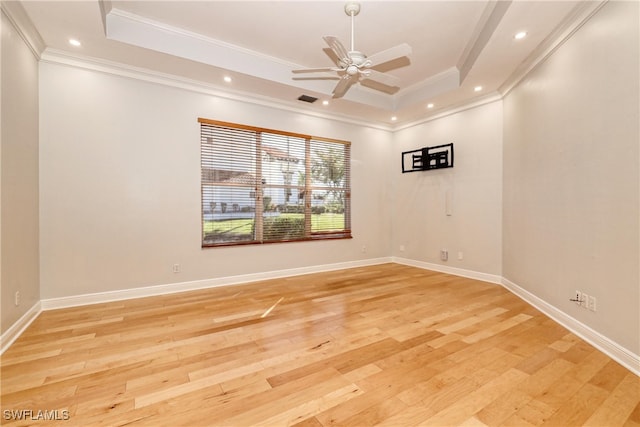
(485, 277)
(625, 357)
(622, 355)
(147, 291)
(12, 334)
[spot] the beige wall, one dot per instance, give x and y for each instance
(19, 182)
(120, 186)
(571, 176)
(474, 187)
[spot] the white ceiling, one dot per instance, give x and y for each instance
(456, 46)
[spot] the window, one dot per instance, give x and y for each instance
(265, 186)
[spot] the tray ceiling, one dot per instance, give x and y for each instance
(457, 46)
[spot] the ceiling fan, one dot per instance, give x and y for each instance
(353, 66)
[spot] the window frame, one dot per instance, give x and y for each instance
(259, 185)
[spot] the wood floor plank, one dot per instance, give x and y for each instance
(609, 376)
(376, 413)
(634, 417)
(577, 409)
(465, 407)
(501, 409)
(535, 413)
(619, 404)
(379, 345)
(379, 388)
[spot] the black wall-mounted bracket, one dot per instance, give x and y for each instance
(428, 158)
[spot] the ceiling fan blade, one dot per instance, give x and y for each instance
(379, 86)
(318, 76)
(390, 54)
(316, 70)
(378, 77)
(338, 48)
(343, 86)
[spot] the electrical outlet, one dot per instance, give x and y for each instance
(583, 301)
(176, 268)
(444, 254)
(364, 249)
(17, 298)
(591, 303)
(401, 248)
(577, 298)
(460, 256)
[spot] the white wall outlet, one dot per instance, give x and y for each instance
(583, 300)
(401, 248)
(460, 256)
(364, 249)
(591, 303)
(176, 268)
(444, 255)
(577, 297)
(17, 298)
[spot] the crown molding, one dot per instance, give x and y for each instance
(578, 16)
(429, 88)
(142, 32)
(60, 57)
(18, 17)
(572, 23)
(454, 109)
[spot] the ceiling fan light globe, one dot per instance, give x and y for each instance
(352, 70)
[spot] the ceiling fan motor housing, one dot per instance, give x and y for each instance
(357, 58)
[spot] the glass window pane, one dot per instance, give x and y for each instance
(280, 226)
(228, 214)
(328, 211)
(283, 166)
(328, 167)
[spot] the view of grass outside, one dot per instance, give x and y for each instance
(244, 226)
(327, 222)
(239, 226)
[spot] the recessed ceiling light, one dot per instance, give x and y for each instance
(520, 35)
(477, 88)
(325, 102)
(394, 118)
(74, 42)
(227, 79)
(429, 105)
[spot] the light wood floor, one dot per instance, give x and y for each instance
(383, 345)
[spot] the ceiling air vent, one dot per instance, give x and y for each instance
(307, 98)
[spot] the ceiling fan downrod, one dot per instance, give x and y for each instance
(352, 9)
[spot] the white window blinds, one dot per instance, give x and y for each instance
(264, 186)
